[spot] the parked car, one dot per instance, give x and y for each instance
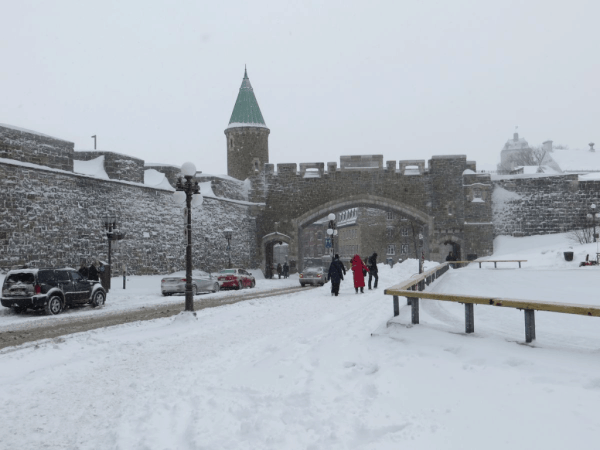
(313, 275)
(201, 282)
(52, 290)
(236, 279)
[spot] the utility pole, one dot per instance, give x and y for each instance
(94, 137)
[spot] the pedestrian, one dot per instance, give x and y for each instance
(83, 270)
(336, 275)
(279, 270)
(373, 270)
(451, 258)
(286, 270)
(359, 268)
(268, 271)
(92, 272)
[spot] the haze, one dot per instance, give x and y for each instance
(158, 80)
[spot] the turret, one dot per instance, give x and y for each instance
(247, 135)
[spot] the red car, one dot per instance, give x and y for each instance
(236, 279)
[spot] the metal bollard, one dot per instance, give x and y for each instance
(396, 306)
(414, 304)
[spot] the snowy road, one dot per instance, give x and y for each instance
(302, 371)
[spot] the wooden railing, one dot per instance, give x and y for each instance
(411, 287)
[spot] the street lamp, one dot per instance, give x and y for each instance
(188, 190)
(331, 230)
(227, 233)
(593, 216)
(113, 234)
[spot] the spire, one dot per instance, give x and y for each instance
(246, 111)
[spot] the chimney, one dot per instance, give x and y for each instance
(515, 137)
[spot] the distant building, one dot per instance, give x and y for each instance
(516, 153)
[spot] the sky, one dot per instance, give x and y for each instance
(158, 80)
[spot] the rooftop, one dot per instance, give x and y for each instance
(246, 111)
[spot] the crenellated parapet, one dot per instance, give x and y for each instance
(117, 165)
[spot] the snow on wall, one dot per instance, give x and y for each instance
(56, 219)
(93, 167)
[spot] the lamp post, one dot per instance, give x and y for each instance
(187, 190)
(593, 216)
(113, 234)
(228, 233)
(331, 231)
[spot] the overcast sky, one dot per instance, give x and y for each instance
(407, 79)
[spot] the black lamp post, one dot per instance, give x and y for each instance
(112, 233)
(228, 233)
(187, 190)
(332, 231)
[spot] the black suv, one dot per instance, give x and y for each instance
(50, 289)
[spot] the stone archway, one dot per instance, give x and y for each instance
(351, 201)
(267, 243)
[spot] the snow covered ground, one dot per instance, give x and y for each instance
(311, 371)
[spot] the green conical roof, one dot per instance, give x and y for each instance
(246, 112)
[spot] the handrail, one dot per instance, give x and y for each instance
(407, 289)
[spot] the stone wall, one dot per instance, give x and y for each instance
(56, 219)
(434, 198)
(170, 171)
(116, 165)
(36, 148)
(541, 204)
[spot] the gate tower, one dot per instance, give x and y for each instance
(247, 135)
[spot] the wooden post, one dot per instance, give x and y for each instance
(480, 265)
(414, 303)
(529, 325)
(469, 318)
(396, 306)
(495, 267)
(519, 264)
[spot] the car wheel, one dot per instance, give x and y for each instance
(54, 305)
(99, 299)
(166, 294)
(216, 287)
(20, 309)
(240, 285)
(253, 284)
(194, 290)
(302, 284)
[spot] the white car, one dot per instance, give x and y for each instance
(201, 282)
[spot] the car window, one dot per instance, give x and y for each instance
(44, 276)
(227, 271)
(27, 278)
(75, 276)
(62, 275)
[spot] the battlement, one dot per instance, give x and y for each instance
(116, 165)
(367, 163)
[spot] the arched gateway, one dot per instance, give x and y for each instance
(444, 195)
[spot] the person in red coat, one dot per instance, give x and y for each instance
(359, 269)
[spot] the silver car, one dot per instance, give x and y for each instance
(201, 282)
(313, 275)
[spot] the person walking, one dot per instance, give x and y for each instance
(359, 268)
(373, 270)
(451, 258)
(336, 275)
(279, 270)
(286, 270)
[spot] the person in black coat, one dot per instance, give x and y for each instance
(373, 270)
(279, 270)
(83, 270)
(286, 270)
(336, 274)
(93, 273)
(451, 258)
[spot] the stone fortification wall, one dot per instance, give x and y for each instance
(541, 204)
(226, 187)
(56, 219)
(36, 148)
(439, 193)
(247, 151)
(170, 171)
(116, 165)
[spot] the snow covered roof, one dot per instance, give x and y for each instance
(576, 160)
(246, 112)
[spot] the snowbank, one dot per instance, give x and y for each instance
(93, 167)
